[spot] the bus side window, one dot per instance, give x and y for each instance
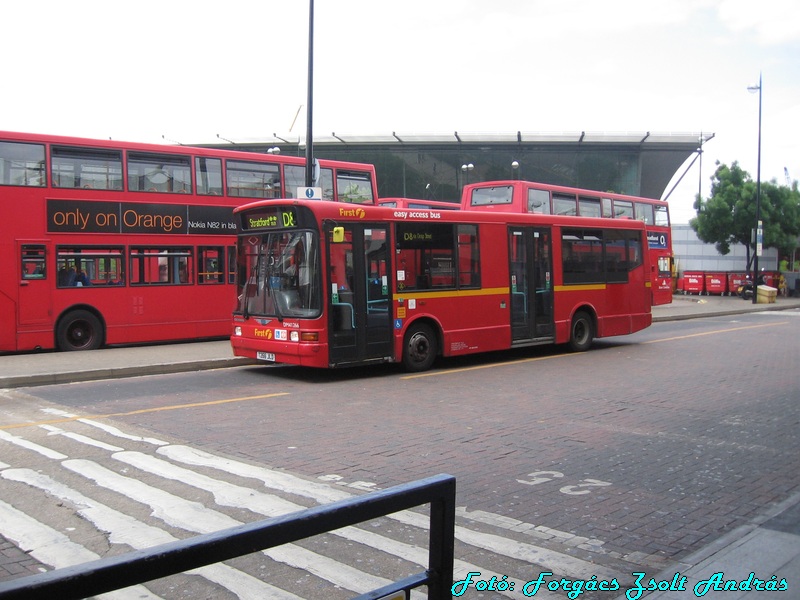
(153, 266)
(211, 264)
(208, 176)
(33, 261)
(22, 164)
(539, 201)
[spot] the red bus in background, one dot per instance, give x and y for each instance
(324, 285)
(417, 203)
(106, 242)
(537, 198)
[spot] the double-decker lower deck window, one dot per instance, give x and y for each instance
(33, 261)
(22, 164)
(83, 266)
(161, 266)
(212, 264)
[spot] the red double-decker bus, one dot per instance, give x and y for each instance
(326, 285)
(110, 243)
(413, 203)
(538, 198)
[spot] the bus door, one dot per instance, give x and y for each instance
(359, 322)
(35, 283)
(531, 286)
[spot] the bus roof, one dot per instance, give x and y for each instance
(364, 212)
(11, 136)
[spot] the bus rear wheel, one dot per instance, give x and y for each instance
(581, 333)
(420, 348)
(79, 330)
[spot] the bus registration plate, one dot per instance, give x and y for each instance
(269, 356)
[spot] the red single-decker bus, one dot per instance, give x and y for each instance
(326, 285)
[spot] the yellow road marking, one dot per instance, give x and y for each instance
(143, 411)
(567, 354)
(490, 366)
(718, 331)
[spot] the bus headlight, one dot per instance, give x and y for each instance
(294, 336)
(237, 331)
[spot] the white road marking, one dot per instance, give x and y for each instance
(53, 548)
(123, 529)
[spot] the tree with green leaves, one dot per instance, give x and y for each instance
(728, 216)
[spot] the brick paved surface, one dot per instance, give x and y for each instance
(696, 436)
(697, 432)
(15, 563)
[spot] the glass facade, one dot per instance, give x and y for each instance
(437, 170)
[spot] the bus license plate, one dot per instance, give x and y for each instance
(269, 356)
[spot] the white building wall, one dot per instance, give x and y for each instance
(691, 254)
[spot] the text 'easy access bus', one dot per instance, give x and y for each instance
(105, 242)
(327, 285)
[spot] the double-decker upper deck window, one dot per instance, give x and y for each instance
(661, 215)
(208, 176)
(22, 164)
(492, 195)
(86, 168)
(565, 204)
(354, 187)
(644, 212)
(623, 209)
(150, 172)
(589, 207)
(539, 201)
(253, 180)
(295, 176)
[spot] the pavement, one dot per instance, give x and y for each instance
(757, 551)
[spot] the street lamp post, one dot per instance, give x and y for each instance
(758, 231)
(465, 169)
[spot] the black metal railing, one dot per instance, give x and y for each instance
(114, 573)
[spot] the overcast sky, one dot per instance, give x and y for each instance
(189, 70)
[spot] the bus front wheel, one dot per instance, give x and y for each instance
(420, 348)
(79, 330)
(582, 332)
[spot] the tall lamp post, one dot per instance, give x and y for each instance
(758, 230)
(465, 169)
